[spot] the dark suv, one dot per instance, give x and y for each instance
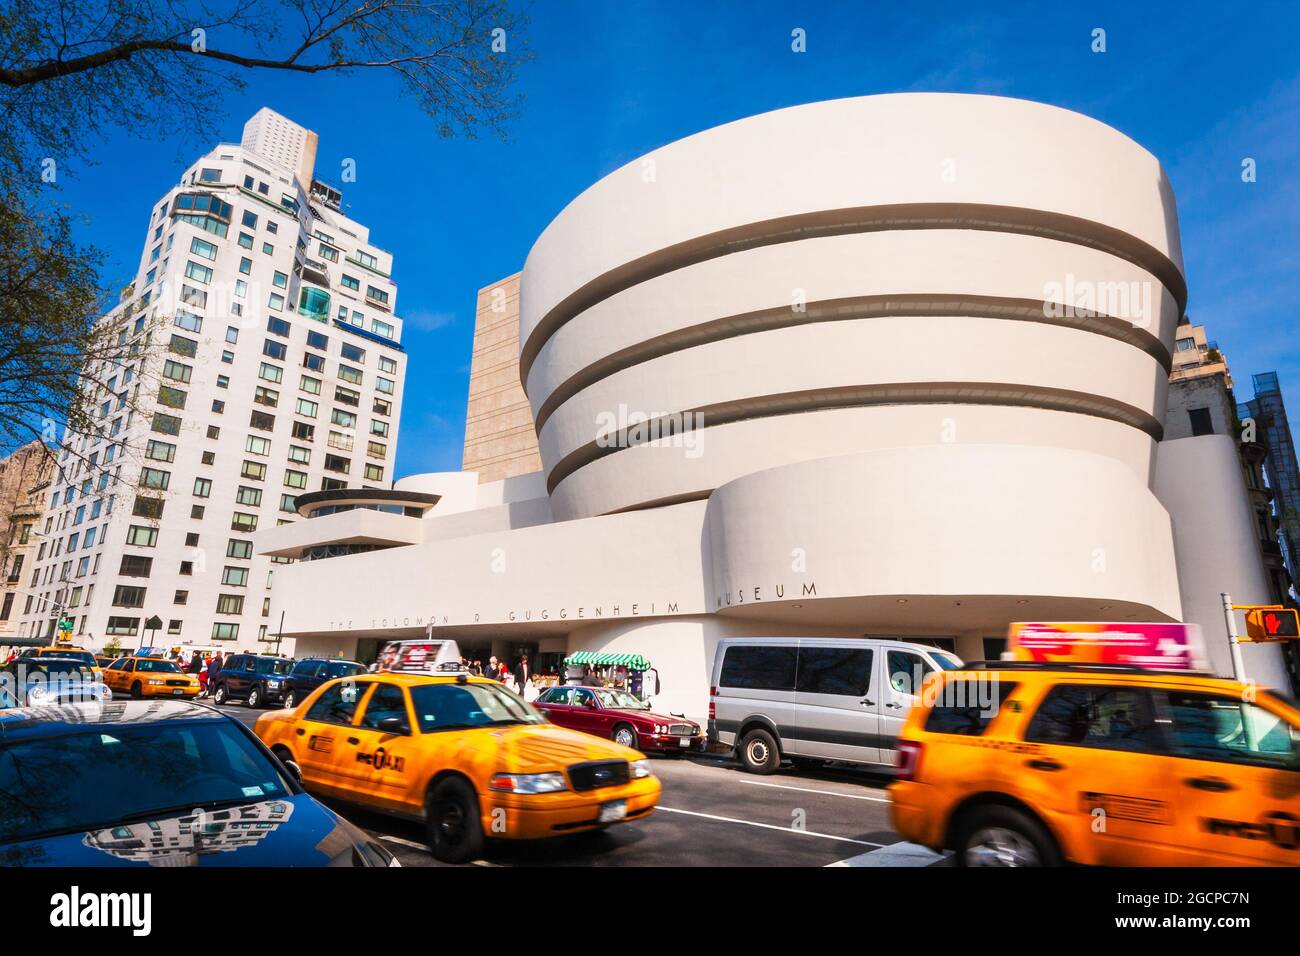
(256, 678)
(310, 672)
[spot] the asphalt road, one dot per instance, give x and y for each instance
(711, 813)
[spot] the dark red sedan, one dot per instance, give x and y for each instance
(620, 717)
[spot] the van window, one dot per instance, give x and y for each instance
(835, 670)
(766, 667)
(965, 707)
(907, 671)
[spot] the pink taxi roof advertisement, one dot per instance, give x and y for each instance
(1165, 646)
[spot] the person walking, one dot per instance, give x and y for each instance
(196, 663)
(494, 668)
(523, 671)
(214, 668)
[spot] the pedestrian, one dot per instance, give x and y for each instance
(214, 668)
(494, 668)
(196, 663)
(523, 671)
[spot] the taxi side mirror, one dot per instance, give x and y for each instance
(394, 725)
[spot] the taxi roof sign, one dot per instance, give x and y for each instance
(1154, 646)
(1272, 624)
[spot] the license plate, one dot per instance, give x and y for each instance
(684, 741)
(609, 812)
(178, 690)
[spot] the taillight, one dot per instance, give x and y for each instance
(713, 707)
(909, 760)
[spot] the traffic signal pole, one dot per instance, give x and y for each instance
(1230, 616)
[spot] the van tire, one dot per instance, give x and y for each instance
(1023, 840)
(759, 752)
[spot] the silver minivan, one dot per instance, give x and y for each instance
(816, 699)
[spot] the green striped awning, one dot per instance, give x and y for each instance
(633, 662)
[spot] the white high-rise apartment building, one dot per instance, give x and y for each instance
(266, 362)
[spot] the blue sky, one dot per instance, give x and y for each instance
(1201, 86)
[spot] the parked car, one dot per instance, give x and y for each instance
(35, 682)
(620, 717)
(256, 679)
(105, 786)
(310, 672)
(816, 699)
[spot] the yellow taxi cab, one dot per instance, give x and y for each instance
(1012, 763)
(461, 754)
(69, 651)
(150, 677)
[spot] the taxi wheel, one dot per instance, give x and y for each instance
(137, 692)
(625, 735)
(1004, 836)
(454, 831)
(759, 753)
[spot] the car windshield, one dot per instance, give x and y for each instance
(274, 667)
(946, 662)
(620, 700)
(160, 667)
(447, 706)
(101, 777)
(71, 670)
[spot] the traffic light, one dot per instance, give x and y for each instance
(1272, 624)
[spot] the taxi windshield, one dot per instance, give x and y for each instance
(620, 700)
(459, 706)
(160, 667)
(85, 656)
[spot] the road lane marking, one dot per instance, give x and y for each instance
(423, 848)
(411, 843)
(829, 793)
(770, 826)
(896, 854)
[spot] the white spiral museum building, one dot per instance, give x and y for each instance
(886, 365)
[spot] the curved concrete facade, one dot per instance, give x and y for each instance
(912, 355)
(872, 253)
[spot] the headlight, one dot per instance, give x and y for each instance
(527, 782)
(273, 682)
(640, 769)
(154, 682)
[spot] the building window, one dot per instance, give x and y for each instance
(241, 521)
(154, 478)
(126, 595)
(135, 566)
(180, 597)
(349, 283)
(141, 536)
(202, 487)
(253, 471)
(234, 577)
(263, 421)
(248, 496)
(146, 507)
(256, 445)
(303, 432)
(239, 549)
(1202, 424)
(295, 479)
(270, 373)
(160, 450)
(171, 397)
(230, 604)
(123, 626)
(374, 472)
(221, 631)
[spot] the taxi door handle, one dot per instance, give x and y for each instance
(1045, 764)
(354, 740)
(1213, 784)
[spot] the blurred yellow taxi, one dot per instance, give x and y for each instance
(150, 677)
(1013, 763)
(461, 754)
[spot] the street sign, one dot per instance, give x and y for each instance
(1271, 624)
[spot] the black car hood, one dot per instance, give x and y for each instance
(294, 831)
